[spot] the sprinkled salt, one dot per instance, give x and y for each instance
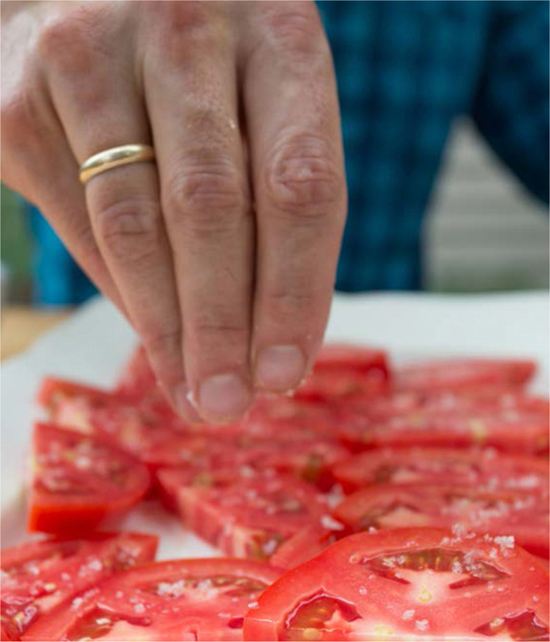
(408, 615)
(139, 608)
(330, 523)
(76, 602)
(505, 542)
(421, 625)
(95, 565)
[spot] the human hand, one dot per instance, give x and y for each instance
(223, 253)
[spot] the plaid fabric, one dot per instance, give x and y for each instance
(405, 71)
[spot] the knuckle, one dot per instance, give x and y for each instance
(209, 327)
(296, 28)
(161, 341)
(129, 230)
(206, 198)
(303, 178)
(71, 42)
(291, 299)
(185, 30)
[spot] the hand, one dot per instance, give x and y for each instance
(223, 253)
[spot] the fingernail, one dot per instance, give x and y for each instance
(184, 407)
(280, 368)
(223, 397)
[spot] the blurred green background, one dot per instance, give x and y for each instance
(15, 248)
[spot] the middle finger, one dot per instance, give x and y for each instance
(191, 90)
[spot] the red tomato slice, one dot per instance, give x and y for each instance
(485, 469)
(79, 480)
(41, 575)
(497, 399)
(512, 431)
(407, 584)
(137, 377)
(510, 515)
(308, 542)
(345, 372)
(176, 600)
(158, 438)
(464, 373)
(245, 515)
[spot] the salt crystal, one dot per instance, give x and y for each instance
(421, 625)
(95, 565)
(408, 615)
(139, 608)
(76, 602)
(330, 523)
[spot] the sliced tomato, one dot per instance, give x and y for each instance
(499, 399)
(41, 575)
(137, 377)
(344, 372)
(486, 469)
(245, 514)
(511, 515)
(512, 431)
(407, 584)
(78, 481)
(453, 374)
(308, 542)
(157, 437)
(176, 600)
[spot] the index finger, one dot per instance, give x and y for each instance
(298, 174)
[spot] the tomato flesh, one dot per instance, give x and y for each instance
(79, 480)
(520, 432)
(39, 576)
(407, 584)
(457, 374)
(176, 600)
(482, 469)
(505, 514)
(243, 516)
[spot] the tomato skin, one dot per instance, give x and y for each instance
(498, 513)
(57, 565)
(478, 468)
(456, 374)
(373, 602)
(305, 544)
(137, 377)
(345, 372)
(79, 481)
(155, 603)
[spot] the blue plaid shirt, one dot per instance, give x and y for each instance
(405, 71)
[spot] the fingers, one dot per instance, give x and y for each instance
(191, 96)
(38, 163)
(97, 101)
(297, 166)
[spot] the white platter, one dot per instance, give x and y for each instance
(94, 343)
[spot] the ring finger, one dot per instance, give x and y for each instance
(100, 111)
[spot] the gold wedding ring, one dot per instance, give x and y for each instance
(115, 157)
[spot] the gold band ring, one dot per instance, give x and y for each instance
(115, 157)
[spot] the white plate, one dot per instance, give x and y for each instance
(94, 343)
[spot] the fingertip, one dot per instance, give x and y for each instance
(224, 397)
(280, 368)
